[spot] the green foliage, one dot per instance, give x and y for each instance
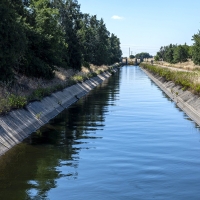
(156, 58)
(169, 53)
(86, 64)
(190, 50)
(131, 56)
(12, 40)
(37, 35)
(115, 52)
(78, 78)
(143, 55)
(40, 93)
(195, 51)
(15, 101)
(180, 54)
(98, 46)
(99, 71)
(12, 102)
(45, 41)
(187, 80)
(174, 53)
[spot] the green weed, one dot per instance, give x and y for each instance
(188, 80)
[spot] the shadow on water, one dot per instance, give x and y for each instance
(31, 169)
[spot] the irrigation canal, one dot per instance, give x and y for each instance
(125, 140)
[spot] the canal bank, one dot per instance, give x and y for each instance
(126, 139)
(19, 124)
(185, 100)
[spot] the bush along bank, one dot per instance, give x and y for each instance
(11, 101)
(187, 80)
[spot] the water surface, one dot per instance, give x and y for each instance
(125, 140)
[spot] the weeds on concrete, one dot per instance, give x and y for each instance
(188, 80)
(14, 97)
(12, 102)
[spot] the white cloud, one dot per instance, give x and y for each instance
(117, 17)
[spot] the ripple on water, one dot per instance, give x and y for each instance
(125, 140)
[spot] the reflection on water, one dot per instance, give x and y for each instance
(125, 140)
(31, 169)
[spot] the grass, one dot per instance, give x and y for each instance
(188, 65)
(12, 102)
(14, 97)
(187, 80)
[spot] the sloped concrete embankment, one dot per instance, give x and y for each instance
(185, 100)
(19, 124)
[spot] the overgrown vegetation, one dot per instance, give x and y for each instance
(38, 35)
(188, 80)
(12, 102)
(15, 101)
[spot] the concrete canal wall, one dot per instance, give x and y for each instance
(185, 100)
(19, 124)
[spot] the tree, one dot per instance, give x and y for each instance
(70, 19)
(115, 52)
(45, 40)
(190, 51)
(101, 50)
(12, 39)
(143, 55)
(131, 56)
(156, 58)
(196, 48)
(169, 53)
(180, 54)
(173, 53)
(37, 35)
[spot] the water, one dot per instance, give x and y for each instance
(125, 140)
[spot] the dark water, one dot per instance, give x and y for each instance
(125, 140)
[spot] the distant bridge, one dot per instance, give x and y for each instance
(128, 61)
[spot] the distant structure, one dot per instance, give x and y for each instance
(125, 60)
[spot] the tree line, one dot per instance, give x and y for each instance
(38, 35)
(141, 56)
(174, 53)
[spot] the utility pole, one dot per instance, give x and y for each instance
(129, 51)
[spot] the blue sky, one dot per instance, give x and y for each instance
(146, 25)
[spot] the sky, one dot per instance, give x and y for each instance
(146, 25)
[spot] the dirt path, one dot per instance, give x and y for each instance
(174, 68)
(179, 67)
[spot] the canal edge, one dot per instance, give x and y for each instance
(18, 124)
(185, 100)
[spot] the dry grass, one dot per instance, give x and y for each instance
(93, 69)
(189, 65)
(22, 90)
(188, 80)
(25, 89)
(24, 86)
